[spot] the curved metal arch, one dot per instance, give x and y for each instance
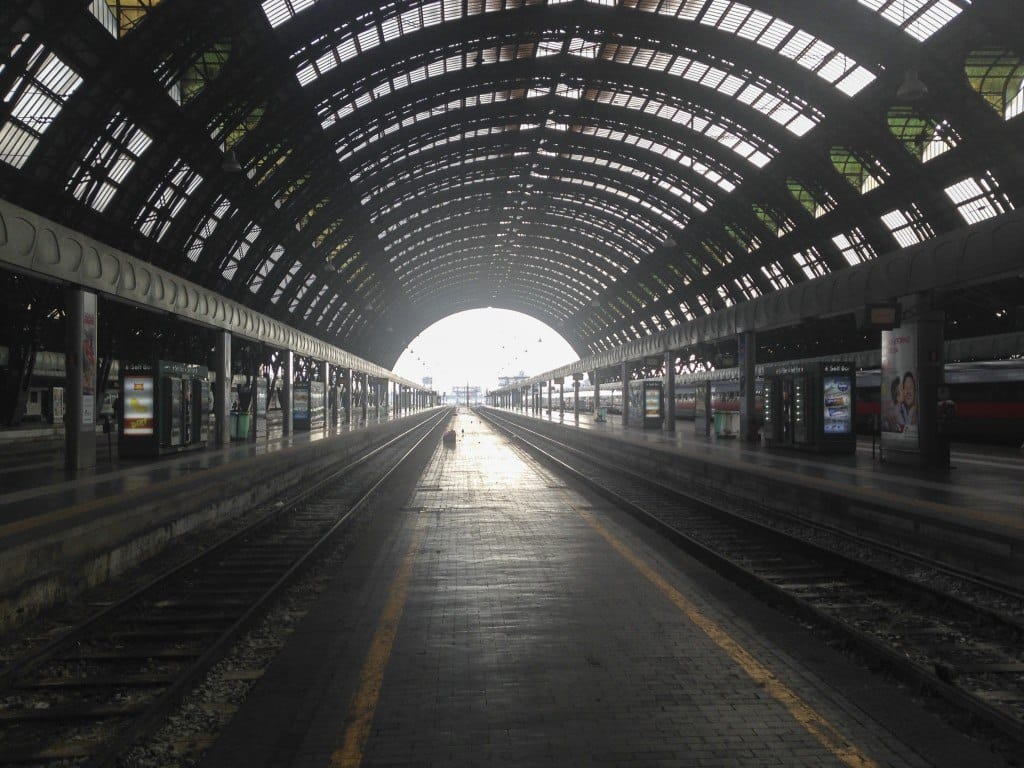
(683, 66)
(569, 213)
(620, 168)
(488, 175)
(414, 247)
(570, 263)
(540, 20)
(550, 141)
(507, 123)
(540, 298)
(428, 97)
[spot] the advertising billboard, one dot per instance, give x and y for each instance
(899, 409)
(838, 406)
(137, 402)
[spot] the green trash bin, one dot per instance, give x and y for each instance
(243, 425)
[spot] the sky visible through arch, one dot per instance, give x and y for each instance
(478, 346)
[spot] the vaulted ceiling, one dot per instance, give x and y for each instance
(610, 167)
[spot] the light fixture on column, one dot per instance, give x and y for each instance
(230, 163)
(911, 89)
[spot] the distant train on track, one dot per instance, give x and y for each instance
(988, 399)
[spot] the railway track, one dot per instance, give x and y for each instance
(100, 685)
(961, 641)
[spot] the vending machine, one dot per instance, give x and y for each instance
(653, 403)
(810, 406)
(165, 408)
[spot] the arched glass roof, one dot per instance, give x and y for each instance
(612, 167)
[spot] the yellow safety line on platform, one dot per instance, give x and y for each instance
(814, 723)
(361, 710)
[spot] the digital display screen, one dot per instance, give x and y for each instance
(300, 403)
(137, 400)
(652, 402)
(838, 405)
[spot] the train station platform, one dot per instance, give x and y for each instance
(501, 617)
(62, 533)
(979, 500)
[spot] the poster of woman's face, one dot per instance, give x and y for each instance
(899, 412)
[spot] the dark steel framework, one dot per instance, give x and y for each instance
(611, 167)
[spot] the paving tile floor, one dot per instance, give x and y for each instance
(539, 630)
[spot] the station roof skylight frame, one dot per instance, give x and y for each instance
(613, 167)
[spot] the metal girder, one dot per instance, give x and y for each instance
(32, 244)
(979, 254)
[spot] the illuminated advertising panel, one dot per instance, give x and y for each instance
(137, 399)
(652, 402)
(899, 411)
(838, 406)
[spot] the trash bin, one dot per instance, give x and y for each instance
(233, 425)
(243, 425)
(602, 414)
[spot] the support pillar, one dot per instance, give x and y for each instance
(348, 401)
(669, 425)
(625, 394)
(597, 391)
(561, 397)
(746, 359)
(551, 394)
(222, 388)
(325, 377)
(912, 363)
(287, 392)
(364, 385)
(80, 369)
(575, 399)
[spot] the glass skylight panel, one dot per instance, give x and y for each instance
(221, 209)
(38, 97)
(167, 200)
(280, 11)
(264, 269)
(908, 225)
(942, 140)
(766, 97)
(811, 263)
(316, 300)
(854, 246)
(918, 18)
(285, 282)
(776, 275)
(108, 162)
(239, 252)
(739, 19)
(306, 285)
(978, 198)
(747, 286)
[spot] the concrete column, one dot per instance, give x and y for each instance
(746, 359)
(287, 389)
(625, 394)
(349, 400)
(82, 348)
(561, 397)
(914, 354)
(325, 377)
(222, 388)
(576, 400)
(551, 394)
(364, 385)
(669, 425)
(597, 391)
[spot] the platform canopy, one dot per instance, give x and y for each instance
(614, 168)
